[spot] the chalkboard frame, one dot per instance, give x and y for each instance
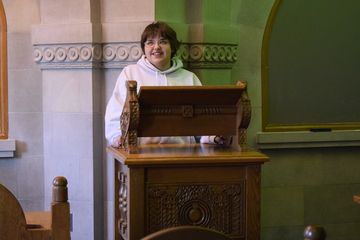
(267, 124)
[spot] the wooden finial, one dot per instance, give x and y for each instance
(60, 191)
(314, 232)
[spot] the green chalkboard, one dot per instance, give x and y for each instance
(311, 65)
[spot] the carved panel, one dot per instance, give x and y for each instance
(122, 206)
(217, 206)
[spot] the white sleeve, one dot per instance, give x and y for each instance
(114, 109)
(196, 80)
(207, 139)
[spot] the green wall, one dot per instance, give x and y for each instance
(299, 186)
(216, 21)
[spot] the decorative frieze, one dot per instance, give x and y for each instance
(188, 110)
(118, 55)
(208, 55)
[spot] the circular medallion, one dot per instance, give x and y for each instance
(73, 54)
(37, 55)
(122, 52)
(97, 52)
(60, 54)
(109, 53)
(85, 53)
(222, 54)
(196, 53)
(215, 53)
(135, 52)
(207, 53)
(195, 212)
(49, 54)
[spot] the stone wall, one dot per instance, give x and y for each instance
(64, 58)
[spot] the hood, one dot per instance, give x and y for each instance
(176, 63)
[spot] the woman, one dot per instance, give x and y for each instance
(157, 67)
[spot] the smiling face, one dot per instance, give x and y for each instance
(158, 51)
(159, 44)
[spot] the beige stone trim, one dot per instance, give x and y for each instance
(7, 148)
(118, 55)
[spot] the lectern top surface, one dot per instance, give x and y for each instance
(157, 154)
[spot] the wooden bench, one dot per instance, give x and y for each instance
(188, 233)
(15, 224)
(311, 232)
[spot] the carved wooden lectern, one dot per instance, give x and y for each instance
(159, 186)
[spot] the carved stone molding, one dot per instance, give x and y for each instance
(86, 55)
(208, 55)
(118, 55)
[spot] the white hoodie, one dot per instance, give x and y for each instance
(146, 75)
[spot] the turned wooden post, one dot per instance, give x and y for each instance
(60, 210)
(313, 232)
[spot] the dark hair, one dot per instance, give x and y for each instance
(164, 30)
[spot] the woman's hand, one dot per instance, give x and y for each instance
(116, 142)
(223, 140)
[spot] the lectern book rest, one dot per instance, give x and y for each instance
(184, 111)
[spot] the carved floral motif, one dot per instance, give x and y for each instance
(122, 222)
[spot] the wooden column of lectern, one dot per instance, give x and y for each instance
(158, 186)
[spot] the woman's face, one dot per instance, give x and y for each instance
(158, 52)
